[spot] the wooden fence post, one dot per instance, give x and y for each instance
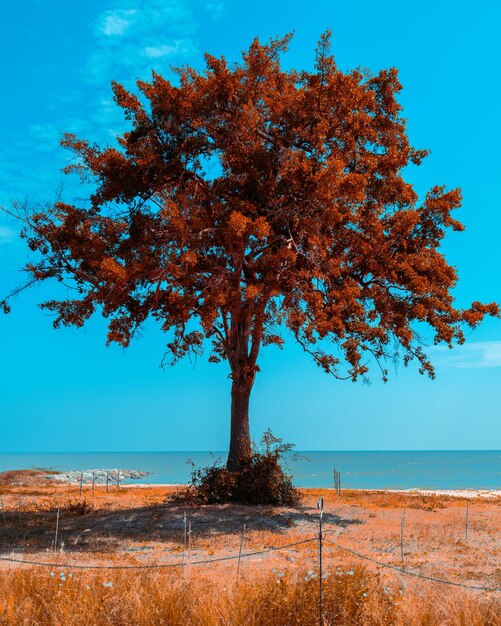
(3, 512)
(402, 527)
(19, 512)
(57, 530)
(185, 525)
(240, 553)
(320, 506)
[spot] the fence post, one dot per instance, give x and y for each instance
(118, 479)
(107, 480)
(3, 512)
(57, 530)
(240, 553)
(337, 482)
(184, 538)
(19, 513)
(81, 483)
(466, 522)
(320, 507)
(93, 481)
(402, 526)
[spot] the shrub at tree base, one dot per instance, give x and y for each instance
(261, 479)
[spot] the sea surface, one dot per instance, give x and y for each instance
(359, 470)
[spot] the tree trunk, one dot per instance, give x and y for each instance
(240, 444)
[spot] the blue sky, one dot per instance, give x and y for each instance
(64, 390)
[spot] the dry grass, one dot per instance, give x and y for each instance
(16, 478)
(353, 597)
(137, 526)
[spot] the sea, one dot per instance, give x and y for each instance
(459, 469)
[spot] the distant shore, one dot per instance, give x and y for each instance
(448, 493)
(432, 470)
(101, 476)
(453, 493)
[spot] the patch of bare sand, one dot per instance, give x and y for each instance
(453, 493)
(138, 526)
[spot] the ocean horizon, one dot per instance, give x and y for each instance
(390, 469)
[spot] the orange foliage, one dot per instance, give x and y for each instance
(251, 199)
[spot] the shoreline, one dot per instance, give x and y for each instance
(127, 476)
(138, 526)
(454, 493)
(489, 494)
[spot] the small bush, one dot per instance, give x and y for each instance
(213, 484)
(262, 479)
(78, 507)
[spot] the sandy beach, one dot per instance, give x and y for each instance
(139, 519)
(409, 542)
(490, 494)
(125, 476)
(453, 493)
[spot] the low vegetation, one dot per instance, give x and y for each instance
(27, 477)
(78, 507)
(354, 596)
(135, 526)
(262, 479)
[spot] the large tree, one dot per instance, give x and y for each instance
(246, 200)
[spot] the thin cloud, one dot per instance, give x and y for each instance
(158, 34)
(178, 47)
(115, 23)
(129, 39)
(473, 355)
(6, 235)
(216, 9)
(131, 42)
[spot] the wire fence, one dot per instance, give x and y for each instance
(319, 538)
(157, 565)
(242, 555)
(408, 572)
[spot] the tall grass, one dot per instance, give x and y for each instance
(351, 597)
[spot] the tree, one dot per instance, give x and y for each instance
(246, 200)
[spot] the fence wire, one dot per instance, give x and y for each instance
(155, 565)
(409, 573)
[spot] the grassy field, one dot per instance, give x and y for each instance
(137, 526)
(354, 596)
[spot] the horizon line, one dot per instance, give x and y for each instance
(226, 451)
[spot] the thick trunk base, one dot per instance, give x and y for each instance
(240, 443)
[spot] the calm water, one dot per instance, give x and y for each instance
(369, 470)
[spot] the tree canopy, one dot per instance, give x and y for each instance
(247, 199)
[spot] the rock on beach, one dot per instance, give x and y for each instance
(74, 476)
